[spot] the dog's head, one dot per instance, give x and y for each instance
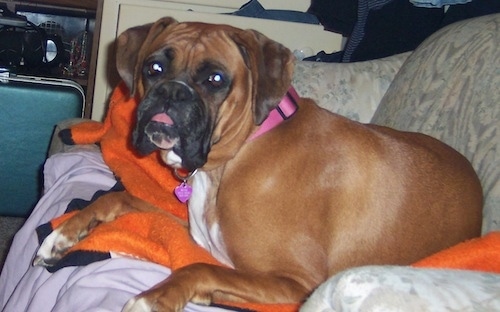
(202, 88)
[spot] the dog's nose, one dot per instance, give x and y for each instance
(172, 91)
(179, 91)
(166, 93)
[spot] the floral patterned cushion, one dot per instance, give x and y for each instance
(449, 89)
(353, 90)
(393, 288)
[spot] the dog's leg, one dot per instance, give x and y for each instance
(105, 209)
(203, 283)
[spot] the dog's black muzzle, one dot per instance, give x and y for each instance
(172, 116)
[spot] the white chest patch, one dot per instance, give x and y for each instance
(206, 235)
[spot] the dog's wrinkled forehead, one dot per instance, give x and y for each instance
(205, 36)
(191, 46)
(182, 49)
(188, 44)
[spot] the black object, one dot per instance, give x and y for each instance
(25, 45)
(335, 15)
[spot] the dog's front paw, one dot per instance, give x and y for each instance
(138, 304)
(142, 304)
(53, 248)
(171, 295)
(156, 300)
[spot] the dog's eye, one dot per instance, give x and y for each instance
(155, 68)
(216, 80)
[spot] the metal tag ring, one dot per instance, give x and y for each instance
(186, 177)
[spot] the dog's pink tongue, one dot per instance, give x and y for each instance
(163, 118)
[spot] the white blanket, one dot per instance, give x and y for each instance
(107, 285)
(100, 286)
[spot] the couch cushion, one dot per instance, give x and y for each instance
(449, 89)
(400, 288)
(353, 90)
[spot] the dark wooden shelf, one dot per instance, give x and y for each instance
(85, 8)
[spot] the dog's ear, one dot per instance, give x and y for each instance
(271, 66)
(128, 50)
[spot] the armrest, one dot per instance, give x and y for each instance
(402, 288)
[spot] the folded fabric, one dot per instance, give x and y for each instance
(479, 254)
(150, 236)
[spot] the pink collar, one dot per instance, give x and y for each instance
(285, 109)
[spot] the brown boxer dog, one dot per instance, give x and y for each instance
(284, 192)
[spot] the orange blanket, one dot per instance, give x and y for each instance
(479, 254)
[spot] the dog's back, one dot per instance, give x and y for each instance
(336, 194)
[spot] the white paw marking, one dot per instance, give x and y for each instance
(51, 248)
(137, 305)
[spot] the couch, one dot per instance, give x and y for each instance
(447, 88)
